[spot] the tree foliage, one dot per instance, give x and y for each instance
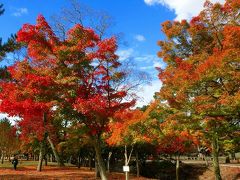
(75, 77)
(11, 44)
(201, 80)
(9, 139)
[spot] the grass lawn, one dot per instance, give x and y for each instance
(24, 163)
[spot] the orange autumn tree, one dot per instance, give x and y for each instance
(176, 139)
(202, 78)
(126, 130)
(120, 125)
(165, 130)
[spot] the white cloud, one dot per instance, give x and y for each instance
(20, 11)
(184, 9)
(147, 58)
(146, 93)
(151, 60)
(146, 67)
(158, 64)
(11, 118)
(140, 38)
(125, 54)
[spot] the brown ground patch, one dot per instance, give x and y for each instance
(73, 173)
(55, 173)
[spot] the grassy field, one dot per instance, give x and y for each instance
(24, 163)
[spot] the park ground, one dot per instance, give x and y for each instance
(27, 171)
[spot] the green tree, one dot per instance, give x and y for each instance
(10, 45)
(1, 9)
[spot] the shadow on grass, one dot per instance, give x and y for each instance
(166, 170)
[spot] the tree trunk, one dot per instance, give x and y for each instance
(108, 161)
(46, 160)
(9, 157)
(42, 152)
(97, 174)
(137, 164)
(101, 165)
(233, 156)
(58, 159)
(39, 167)
(206, 161)
(215, 151)
(177, 168)
(2, 158)
(49, 157)
(90, 162)
(127, 160)
(79, 161)
(70, 160)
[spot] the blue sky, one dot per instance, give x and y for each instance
(138, 20)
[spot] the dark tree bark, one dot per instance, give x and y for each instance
(215, 153)
(56, 155)
(39, 167)
(137, 164)
(101, 165)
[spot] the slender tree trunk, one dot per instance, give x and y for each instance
(9, 157)
(42, 152)
(206, 160)
(90, 162)
(46, 160)
(58, 159)
(39, 167)
(137, 164)
(127, 160)
(2, 158)
(99, 159)
(108, 161)
(49, 157)
(215, 151)
(79, 161)
(233, 156)
(70, 159)
(177, 168)
(97, 174)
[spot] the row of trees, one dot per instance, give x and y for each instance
(202, 79)
(9, 144)
(71, 92)
(198, 104)
(76, 78)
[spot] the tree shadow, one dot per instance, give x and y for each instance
(237, 177)
(193, 171)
